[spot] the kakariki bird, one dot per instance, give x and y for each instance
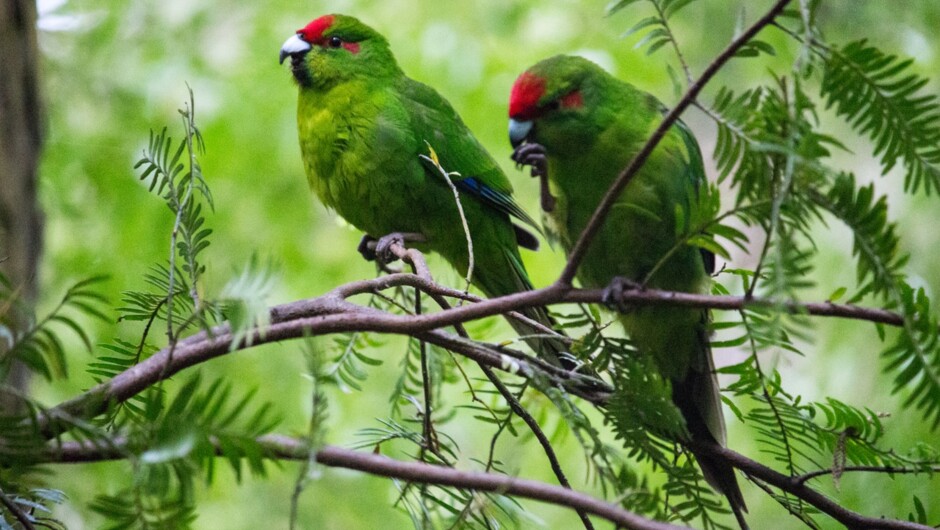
(581, 126)
(369, 136)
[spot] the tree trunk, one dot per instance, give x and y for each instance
(20, 143)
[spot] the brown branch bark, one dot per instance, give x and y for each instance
(796, 486)
(887, 470)
(502, 484)
(332, 313)
(284, 447)
(597, 219)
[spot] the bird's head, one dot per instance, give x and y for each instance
(336, 48)
(554, 95)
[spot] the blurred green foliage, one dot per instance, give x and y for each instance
(114, 70)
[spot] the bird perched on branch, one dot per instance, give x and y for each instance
(388, 154)
(576, 123)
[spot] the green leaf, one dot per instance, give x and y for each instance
(875, 93)
(836, 295)
(875, 240)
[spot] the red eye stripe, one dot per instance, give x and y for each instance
(572, 100)
(525, 95)
(351, 46)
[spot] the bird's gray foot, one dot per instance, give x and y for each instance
(534, 156)
(383, 247)
(612, 296)
(367, 247)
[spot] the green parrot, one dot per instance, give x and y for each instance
(364, 126)
(579, 126)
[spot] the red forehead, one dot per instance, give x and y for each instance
(525, 95)
(313, 31)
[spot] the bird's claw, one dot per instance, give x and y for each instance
(380, 249)
(383, 247)
(534, 155)
(367, 247)
(612, 296)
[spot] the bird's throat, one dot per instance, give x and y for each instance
(300, 70)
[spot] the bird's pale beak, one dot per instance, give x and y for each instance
(294, 46)
(519, 131)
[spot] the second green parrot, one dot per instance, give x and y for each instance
(363, 126)
(580, 125)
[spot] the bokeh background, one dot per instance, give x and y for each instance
(113, 70)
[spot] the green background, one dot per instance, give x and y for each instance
(114, 70)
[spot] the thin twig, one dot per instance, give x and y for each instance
(798, 488)
(543, 440)
(463, 218)
(430, 441)
(17, 512)
(531, 422)
(791, 468)
(600, 214)
(672, 40)
(890, 470)
(314, 434)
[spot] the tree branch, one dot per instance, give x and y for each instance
(597, 219)
(22, 517)
(796, 486)
(287, 448)
(283, 447)
(890, 470)
(502, 484)
(540, 436)
(332, 313)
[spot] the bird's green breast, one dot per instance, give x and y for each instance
(351, 140)
(638, 240)
(640, 228)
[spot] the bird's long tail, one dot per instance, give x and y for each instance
(698, 398)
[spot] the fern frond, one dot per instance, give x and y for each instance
(700, 225)
(876, 242)
(245, 300)
(187, 432)
(410, 382)
(644, 418)
(657, 32)
(35, 505)
(117, 358)
(40, 345)
(159, 167)
(153, 306)
(879, 97)
(184, 193)
(914, 358)
(667, 8)
(163, 498)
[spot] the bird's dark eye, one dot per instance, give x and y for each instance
(552, 105)
(335, 42)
